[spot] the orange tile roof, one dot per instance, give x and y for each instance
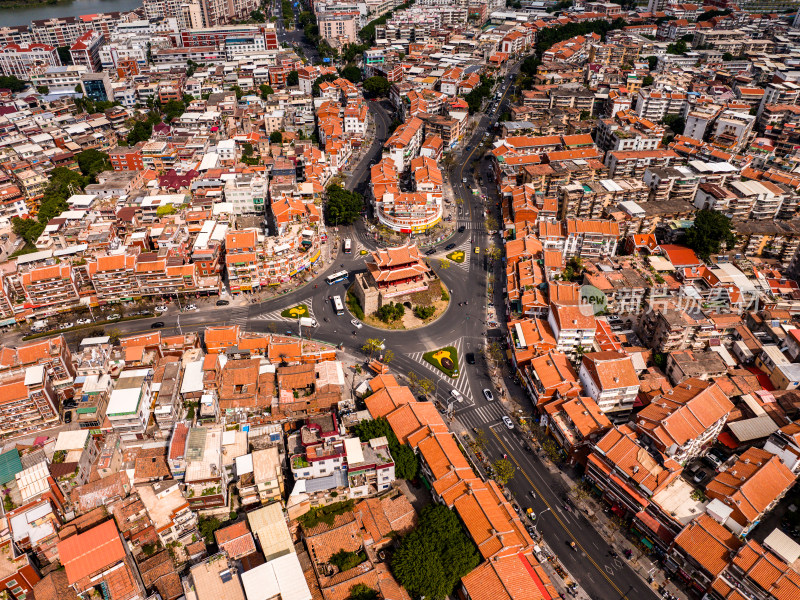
(87, 553)
(708, 543)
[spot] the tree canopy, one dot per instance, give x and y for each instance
(276, 137)
(9, 82)
(435, 556)
(293, 78)
(352, 73)
(91, 162)
(343, 207)
(405, 461)
(377, 86)
(711, 229)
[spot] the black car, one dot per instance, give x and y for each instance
(223, 302)
(470, 358)
(430, 251)
(67, 416)
(461, 229)
(70, 404)
(157, 325)
(449, 246)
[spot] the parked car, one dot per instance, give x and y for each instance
(66, 325)
(114, 316)
(464, 179)
(157, 325)
(67, 416)
(449, 246)
(191, 307)
(430, 251)
(356, 323)
(457, 395)
(508, 422)
(488, 395)
(470, 358)
(83, 321)
(697, 475)
(712, 460)
(223, 302)
(161, 308)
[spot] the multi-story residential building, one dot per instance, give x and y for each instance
(673, 328)
(114, 276)
(589, 238)
(404, 144)
(684, 422)
(130, 403)
(206, 478)
(628, 132)
(610, 379)
(172, 518)
(85, 51)
(50, 289)
(20, 59)
(339, 27)
(99, 557)
(29, 401)
(247, 194)
(655, 105)
(750, 488)
(573, 327)
(576, 424)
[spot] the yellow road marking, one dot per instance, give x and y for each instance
(555, 514)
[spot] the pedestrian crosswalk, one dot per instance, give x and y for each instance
(237, 315)
(460, 383)
(275, 315)
(474, 226)
(477, 416)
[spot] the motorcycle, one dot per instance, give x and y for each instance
(574, 546)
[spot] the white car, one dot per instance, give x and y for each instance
(114, 316)
(463, 180)
(66, 325)
(191, 307)
(488, 395)
(161, 308)
(508, 422)
(355, 323)
(83, 321)
(457, 395)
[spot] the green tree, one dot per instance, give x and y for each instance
(165, 209)
(423, 312)
(727, 57)
(710, 14)
(42, 89)
(573, 269)
(711, 229)
(503, 470)
(435, 556)
(391, 312)
(675, 123)
(91, 162)
(207, 527)
(276, 137)
(405, 461)
(352, 73)
(362, 592)
(266, 90)
(293, 78)
(377, 86)
(647, 81)
(140, 132)
(345, 560)
(678, 47)
(172, 110)
(652, 62)
(64, 55)
(343, 207)
(28, 229)
(420, 385)
(372, 346)
(9, 82)
(247, 149)
(258, 16)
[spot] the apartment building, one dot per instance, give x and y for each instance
(29, 401)
(573, 327)
(130, 403)
(339, 27)
(610, 379)
(19, 59)
(85, 51)
(404, 144)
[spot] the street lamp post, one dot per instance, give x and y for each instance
(537, 518)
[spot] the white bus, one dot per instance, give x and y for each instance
(348, 246)
(336, 277)
(338, 307)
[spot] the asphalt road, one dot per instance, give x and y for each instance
(462, 325)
